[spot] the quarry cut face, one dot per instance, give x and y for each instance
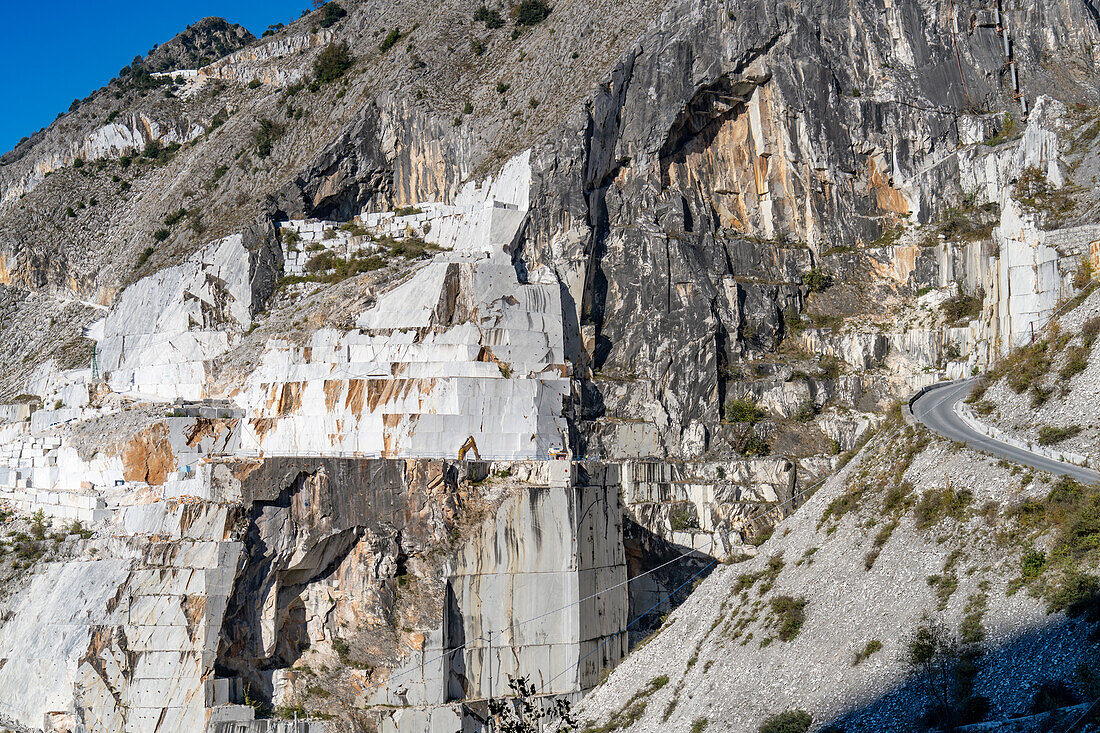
(412, 356)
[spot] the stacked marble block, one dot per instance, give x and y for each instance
(1035, 270)
(461, 350)
(722, 494)
(471, 219)
(313, 239)
(29, 476)
(134, 635)
(158, 339)
(547, 576)
(43, 474)
(176, 600)
(64, 506)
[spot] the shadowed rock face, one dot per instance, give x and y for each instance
(731, 148)
(336, 523)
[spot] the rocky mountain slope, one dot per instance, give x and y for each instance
(358, 368)
(916, 532)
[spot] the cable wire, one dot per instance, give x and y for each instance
(637, 618)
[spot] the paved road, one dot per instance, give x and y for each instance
(934, 410)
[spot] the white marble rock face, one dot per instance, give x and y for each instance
(461, 350)
(165, 327)
(463, 353)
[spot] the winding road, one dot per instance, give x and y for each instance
(934, 408)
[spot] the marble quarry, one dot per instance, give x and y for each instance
(240, 536)
(148, 628)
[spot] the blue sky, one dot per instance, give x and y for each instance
(53, 53)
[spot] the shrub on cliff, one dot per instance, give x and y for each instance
(332, 63)
(1050, 435)
(491, 18)
(791, 721)
(390, 40)
(788, 615)
(961, 306)
(682, 517)
(532, 12)
(1090, 329)
(265, 136)
(817, 280)
(330, 14)
(743, 409)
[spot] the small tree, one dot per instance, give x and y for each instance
(817, 281)
(532, 12)
(491, 18)
(945, 668)
(520, 714)
(330, 14)
(265, 136)
(332, 63)
(743, 409)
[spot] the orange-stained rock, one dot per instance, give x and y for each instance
(148, 456)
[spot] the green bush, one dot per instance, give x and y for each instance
(961, 306)
(340, 268)
(161, 234)
(1076, 362)
(788, 615)
(331, 64)
(682, 517)
(936, 504)
(175, 217)
(791, 721)
(1032, 564)
(265, 135)
(817, 280)
(1078, 594)
(754, 446)
(491, 18)
(806, 412)
(330, 14)
(743, 409)
(532, 12)
(1050, 435)
(409, 247)
(390, 40)
(143, 257)
(1089, 330)
(872, 647)
(1024, 366)
(255, 84)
